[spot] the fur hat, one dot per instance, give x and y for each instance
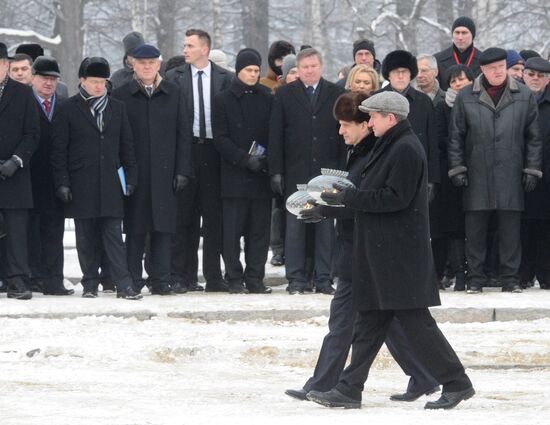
(131, 41)
(32, 49)
(4, 51)
(346, 108)
(464, 21)
(46, 65)
(94, 67)
(363, 44)
(247, 57)
(279, 49)
(399, 59)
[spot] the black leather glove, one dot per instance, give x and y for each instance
(460, 180)
(278, 184)
(314, 214)
(179, 183)
(529, 182)
(431, 192)
(336, 196)
(64, 193)
(256, 163)
(8, 168)
(130, 189)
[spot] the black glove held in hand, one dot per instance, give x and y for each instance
(64, 193)
(179, 183)
(278, 184)
(460, 180)
(335, 197)
(8, 168)
(256, 163)
(314, 214)
(529, 182)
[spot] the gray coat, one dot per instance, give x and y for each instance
(495, 146)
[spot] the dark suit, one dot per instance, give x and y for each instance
(303, 138)
(201, 198)
(19, 133)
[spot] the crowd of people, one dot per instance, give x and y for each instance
(168, 151)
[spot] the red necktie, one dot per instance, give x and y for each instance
(47, 106)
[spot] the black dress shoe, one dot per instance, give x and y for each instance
(89, 293)
(108, 286)
(219, 286)
(412, 396)
(17, 289)
(237, 288)
(162, 289)
(129, 294)
(37, 285)
(179, 288)
(277, 260)
(58, 289)
(515, 289)
(298, 394)
(334, 398)
(474, 289)
(448, 400)
(327, 290)
(194, 287)
(259, 289)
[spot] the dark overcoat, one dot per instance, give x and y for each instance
(495, 146)
(445, 59)
(392, 257)
(86, 159)
(162, 145)
(240, 117)
(19, 133)
(304, 138)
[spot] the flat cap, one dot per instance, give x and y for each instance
(492, 54)
(538, 64)
(145, 51)
(46, 65)
(387, 101)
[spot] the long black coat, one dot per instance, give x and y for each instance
(87, 160)
(43, 188)
(241, 116)
(162, 145)
(392, 257)
(303, 139)
(537, 203)
(445, 59)
(495, 146)
(422, 119)
(19, 133)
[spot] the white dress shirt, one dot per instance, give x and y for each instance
(206, 82)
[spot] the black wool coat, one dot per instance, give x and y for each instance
(240, 117)
(19, 134)
(304, 138)
(87, 160)
(162, 145)
(537, 203)
(445, 59)
(422, 119)
(392, 262)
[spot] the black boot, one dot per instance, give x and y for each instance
(17, 289)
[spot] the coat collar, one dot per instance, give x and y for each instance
(384, 142)
(299, 91)
(135, 87)
(484, 98)
(239, 89)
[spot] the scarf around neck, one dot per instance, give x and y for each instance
(3, 86)
(97, 104)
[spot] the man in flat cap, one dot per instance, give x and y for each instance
(495, 155)
(93, 167)
(535, 223)
(19, 132)
(46, 220)
(392, 268)
(126, 73)
(162, 143)
(461, 51)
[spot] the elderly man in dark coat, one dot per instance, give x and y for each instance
(19, 133)
(495, 153)
(162, 143)
(303, 138)
(93, 166)
(240, 125)
(392, 269)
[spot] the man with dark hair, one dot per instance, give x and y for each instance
(303, 138)
(200, 80)
(277, 52)
(461, 51)
(21, 68)
(495, 154)
(125, 74)
(94, 167)
(19, 130)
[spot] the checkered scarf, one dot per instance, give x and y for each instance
(3, 86)
(97, 104)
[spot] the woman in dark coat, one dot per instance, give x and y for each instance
(451, 222)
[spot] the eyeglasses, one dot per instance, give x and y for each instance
(534, 74)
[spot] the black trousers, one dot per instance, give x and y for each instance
(159, 256)
(296, 252)
(509, 246)
(46, 229)
(249, 218)
(426, 341)
(535, 251)
(337, 343)
(440, 254)
(93, 234)
(200, 199)
(14, 244)
(278, 225)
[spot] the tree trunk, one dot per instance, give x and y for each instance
(255, 23)
(445, 17)
(165, 31)
(404, 9)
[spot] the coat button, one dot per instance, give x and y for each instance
(314, 137)
(314, 117)
(102, 137)
(363, 175)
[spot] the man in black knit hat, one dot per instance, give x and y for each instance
(364, 53)
(462, 50)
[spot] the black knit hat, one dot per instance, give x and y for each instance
(464, 21)
(247, 57)
(94, 67)
(399, 59)
(279, 49)
(32, 49)
(363, 44)
(46, 65)
(346, 108)
(492, 54)
(131, 41)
